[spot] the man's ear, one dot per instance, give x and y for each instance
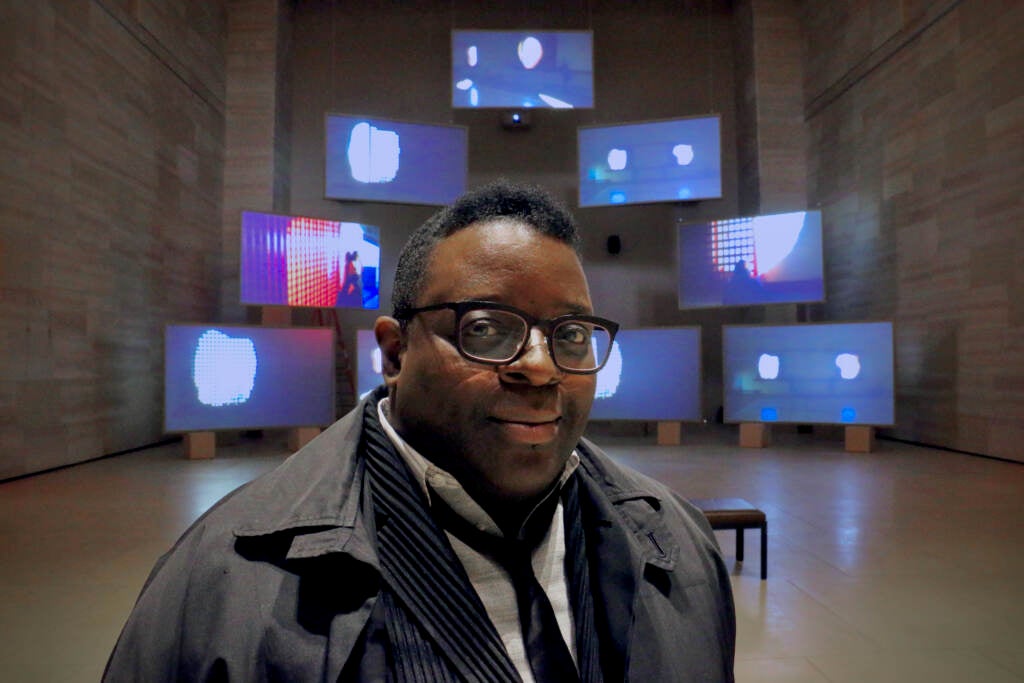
(391, 341)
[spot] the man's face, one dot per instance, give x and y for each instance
(505, 432)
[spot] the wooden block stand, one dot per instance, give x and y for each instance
(755, 434)
(300, 436)
(669, 433)
(860, 438)
(200, 445)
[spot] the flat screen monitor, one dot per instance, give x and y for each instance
(658, 161)
(652, 374)
(369, 365)
(245, 377)
(831, 373)
(512, 69)
(382, 160)
(299, 261)
(770, 259)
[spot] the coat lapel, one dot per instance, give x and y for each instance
(625, 531)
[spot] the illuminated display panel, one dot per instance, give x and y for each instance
(369, 367)
(242, 377)
(658, 161)
(522, 69)
(775, 258)
(299, 261)
(372, 159)
(832, 373)
(652, 374)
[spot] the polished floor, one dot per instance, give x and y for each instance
(902, 565)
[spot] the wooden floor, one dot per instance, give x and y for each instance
(902, 565)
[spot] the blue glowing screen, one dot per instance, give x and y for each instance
(369, 367)
(832, 373)
(652, 374)
(768, 259)
(237, 377)
(520, 69)
(659, 161)
(382, 160)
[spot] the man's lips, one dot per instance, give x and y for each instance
(526, 419)
(530, 429)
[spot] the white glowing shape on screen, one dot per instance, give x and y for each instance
(609, 376)
(774, 237)
(464, 84)
(474, 96)
(223, 369)
(554, 102)
(849, 365)
(471, 56)
(683, 154)
(530, 52)
(768, 366)
(617, 159)
(373, 154)
(377, 361)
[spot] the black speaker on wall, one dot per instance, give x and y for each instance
(614, 244)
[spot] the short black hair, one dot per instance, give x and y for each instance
(499, 199)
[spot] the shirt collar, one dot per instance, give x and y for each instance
(433, 480)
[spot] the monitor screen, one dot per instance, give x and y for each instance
(833, 373)
(769, 259)
(369, 366)
(659, 161)
(652, 374)
(298, 261)
(512, 69)
(240, 377)
(381, 160)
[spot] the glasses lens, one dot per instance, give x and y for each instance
(491, 335)
(580, 345)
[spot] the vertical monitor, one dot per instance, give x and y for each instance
(770, 259)
(244, 377)
(299, 261)
(832, 373)
(369, 364)
(513, 69)
(382, 160)
(659, 161)
(651, 374)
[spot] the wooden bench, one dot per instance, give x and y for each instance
(738, 514)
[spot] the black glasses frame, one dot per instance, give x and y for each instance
(461, 308)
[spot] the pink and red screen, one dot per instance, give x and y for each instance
(300, 261)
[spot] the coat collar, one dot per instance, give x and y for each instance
(316, 496)
(635, 502)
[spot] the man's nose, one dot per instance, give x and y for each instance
(535, 365)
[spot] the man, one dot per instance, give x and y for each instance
(455, 527)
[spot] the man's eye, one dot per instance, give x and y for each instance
(483, 327)
(573, 333)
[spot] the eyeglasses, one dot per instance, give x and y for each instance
(496, 334)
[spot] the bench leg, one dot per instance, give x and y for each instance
(739, 545)
(764, 551)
